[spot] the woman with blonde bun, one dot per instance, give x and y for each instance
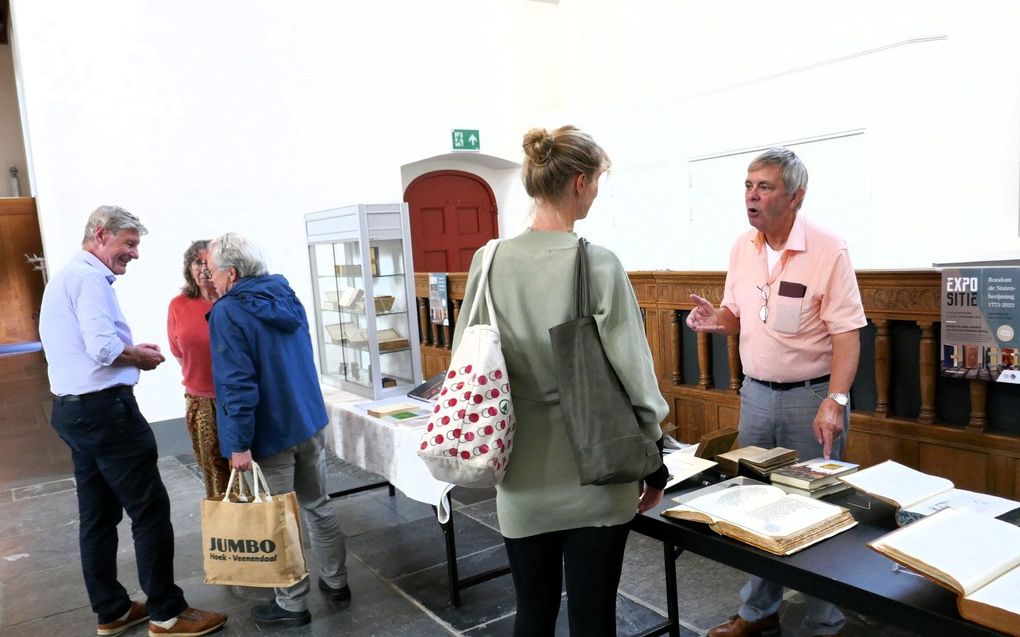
(551, 524)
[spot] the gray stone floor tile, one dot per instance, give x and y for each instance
(484, 512)
(412, 546)
(465, 496)
(43, 488)
(375, 509)
(480, 604)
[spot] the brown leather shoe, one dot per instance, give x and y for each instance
(191, 623)
(136, 615)
(740, 627)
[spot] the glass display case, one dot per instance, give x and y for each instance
(366, 318)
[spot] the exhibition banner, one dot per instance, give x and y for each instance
(979, 324)
(438, 299)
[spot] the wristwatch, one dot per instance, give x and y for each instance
(841, 399)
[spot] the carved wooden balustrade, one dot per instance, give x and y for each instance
(903, 410)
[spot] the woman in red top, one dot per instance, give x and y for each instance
(188, 332)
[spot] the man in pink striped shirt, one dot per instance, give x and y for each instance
(792, 295)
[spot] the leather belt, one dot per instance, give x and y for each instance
(102, 393)
(788, 386)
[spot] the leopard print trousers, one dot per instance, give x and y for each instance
(201, 422)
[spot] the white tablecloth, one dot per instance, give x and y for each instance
(385, 448)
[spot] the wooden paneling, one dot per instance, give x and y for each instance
(967, 469)
(21, 286)
(970, 456)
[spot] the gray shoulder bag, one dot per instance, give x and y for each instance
(597, 412)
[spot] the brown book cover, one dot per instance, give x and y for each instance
(715, 442)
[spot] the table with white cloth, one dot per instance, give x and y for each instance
(390, 450)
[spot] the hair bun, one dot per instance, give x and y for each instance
(538, 146)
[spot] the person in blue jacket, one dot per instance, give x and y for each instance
(270, 407)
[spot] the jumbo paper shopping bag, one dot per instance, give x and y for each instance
(252, 543)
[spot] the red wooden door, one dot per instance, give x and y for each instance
(453, 213)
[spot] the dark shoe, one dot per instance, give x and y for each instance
(191, 623)
(740, 627)
(341, 594)
(137, 614)
(271, 613)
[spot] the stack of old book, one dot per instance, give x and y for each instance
(757, 461)
(813, 478)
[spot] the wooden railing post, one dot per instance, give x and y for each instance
(705, 361)
(882, 367)
(423, 318)
(456, 316)
(978, 399)
(733, 358)
(676, 349)
(927, 363)
(448, 328)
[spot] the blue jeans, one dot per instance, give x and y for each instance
(302, 469)
(114, 455)
(770, 418)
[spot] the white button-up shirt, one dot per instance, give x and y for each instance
(83, 329)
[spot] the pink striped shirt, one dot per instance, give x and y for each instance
(812, 294)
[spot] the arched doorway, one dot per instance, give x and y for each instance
(452, 214)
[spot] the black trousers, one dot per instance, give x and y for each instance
(114, 454)
(592, 559)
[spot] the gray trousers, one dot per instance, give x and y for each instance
(770, 418)
(302, 469)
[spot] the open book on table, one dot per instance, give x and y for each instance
(917, 494)
(683, 464)
(763, 516)
(974, 555)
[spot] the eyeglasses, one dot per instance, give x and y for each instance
(206, 273)
(763, 313)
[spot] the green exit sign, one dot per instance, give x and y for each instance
(466, 139)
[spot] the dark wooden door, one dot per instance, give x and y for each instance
(453, 213)
(21, 287)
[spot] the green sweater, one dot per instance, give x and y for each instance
(532, 286)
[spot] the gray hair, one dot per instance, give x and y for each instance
(794, 173)
(114, 219)
(234, 251)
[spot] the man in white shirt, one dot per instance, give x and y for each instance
(93, 367)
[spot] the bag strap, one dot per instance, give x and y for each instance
(483, 287)
(581, 280)
(241, 486)
(258, 477)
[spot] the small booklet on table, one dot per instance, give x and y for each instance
(917, 494)
(398, 411)
(974, 555)
(763, 516)
(813, 473)
(427, 391)
(683, 464)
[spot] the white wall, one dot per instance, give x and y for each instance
(12, 144)
(243, 115)
(932, 84)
